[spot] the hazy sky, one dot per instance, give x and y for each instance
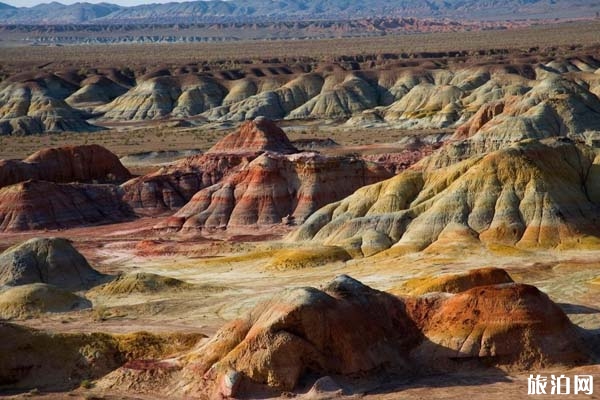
(29, 3)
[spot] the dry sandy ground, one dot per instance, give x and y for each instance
(156, 135)
(487, 386)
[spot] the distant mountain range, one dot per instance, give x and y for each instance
(290, 10)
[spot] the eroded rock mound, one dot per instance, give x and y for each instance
(84, 163)
(258, 135)
(38, 105)
(455, 283)
(37, 298)
(274, 187)
(533, 194)
(96, 90)
(47, 205)
(156, 97)
(172, 187)
(535, 96)
(345, 329)
(508, 325)
(141, 283)
(349, 331)
(52, 261)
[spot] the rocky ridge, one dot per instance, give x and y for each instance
(33, 205)
(257, 11)
(528, 95)
(275, 188)
(530, 194)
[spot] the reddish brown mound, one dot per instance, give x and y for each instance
(273, 187)
(511, 325)
(85, 163)
(258, 135)
(346, 329)
(46, 205)
(350, 330)
(172, 187)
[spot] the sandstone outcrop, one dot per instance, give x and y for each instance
(273, 187)
(553, 107)
(84, 163)
(354, 94)
(258, 135)
(510, 325)
(33, 205)
(531, 194)
(157, 97)
(96, 90)
(51, 261)
(349, 331)
(274, 100)
(536, 96)
(172, 187)
(344, 329)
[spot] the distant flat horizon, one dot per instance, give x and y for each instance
(125, 3)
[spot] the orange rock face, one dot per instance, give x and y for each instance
(275, 186)
(485, 114)
(65, 164)
(512, 325)
(261, 134)
(348, 329)
(47, 205)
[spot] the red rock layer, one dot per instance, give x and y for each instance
(398, 162)
(85, 163)
(261, 134)
(485, 114)
(276, 186)
(46, 205)
(508, 325)
(172, 187)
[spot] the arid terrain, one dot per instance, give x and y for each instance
(404, 216)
